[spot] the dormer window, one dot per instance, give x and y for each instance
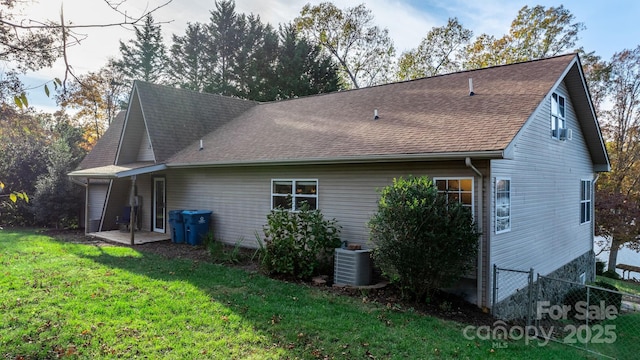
(558, 122)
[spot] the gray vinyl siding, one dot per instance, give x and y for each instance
(144, 186)
(118, 199)
(240, 198)
(133, 133)
(145, 153)
(545, 178)
(97, 195)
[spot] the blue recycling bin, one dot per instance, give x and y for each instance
(196, 225)
(177, 226)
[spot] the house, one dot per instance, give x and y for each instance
(519, 144)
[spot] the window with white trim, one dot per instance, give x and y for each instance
(558, 121)
(457, 189)
(586, 194)
(503, 205)
(291, 194)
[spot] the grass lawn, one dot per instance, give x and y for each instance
(61, 299)
(622, 285)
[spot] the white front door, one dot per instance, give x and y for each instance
(159, 210)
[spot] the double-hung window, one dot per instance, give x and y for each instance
(503, 205)
(457, 189)
(586, 188)
(558, 121)
(291, 194)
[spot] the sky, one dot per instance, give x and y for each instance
(610, 25)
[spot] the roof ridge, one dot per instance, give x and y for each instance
(179, 89)
(424, 78)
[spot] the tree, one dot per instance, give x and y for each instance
(621, 122)
(144, 58)
(32, 146)
(364, 52)
(57, 201)
(439, 52)
(302, 68)
(423, 241)
(190, 68)
(23, 144)
(31, 44)
(239, 55)
(618, 222)
(620, 88)
(225, 30)
(535, 33)
(97, 97)
(28, 47)
(255, 60)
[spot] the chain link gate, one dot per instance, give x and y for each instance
(513, 295)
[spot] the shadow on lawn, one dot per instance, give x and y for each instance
(295, 319)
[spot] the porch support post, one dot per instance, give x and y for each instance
(86, 207)
(132, 213)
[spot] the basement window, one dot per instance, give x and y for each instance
(289, 194)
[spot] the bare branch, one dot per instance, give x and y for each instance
(129, 20)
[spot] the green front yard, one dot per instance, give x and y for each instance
(61, 299)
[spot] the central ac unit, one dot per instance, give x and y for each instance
(352, 267)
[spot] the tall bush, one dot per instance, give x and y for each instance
(299, 243)
(422, 241)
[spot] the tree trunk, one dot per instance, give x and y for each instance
(613, 256)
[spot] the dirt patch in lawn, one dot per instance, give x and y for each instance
(441, 305)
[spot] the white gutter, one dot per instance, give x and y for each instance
(493, 154)
(77, 182)
(480, 274)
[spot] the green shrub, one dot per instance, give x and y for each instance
(579, 294)
(611, 274)
(422, 242)
(222, 253)
(299, 243)
(600, 265)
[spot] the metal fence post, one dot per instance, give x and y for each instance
(530, 310)
(495, 289)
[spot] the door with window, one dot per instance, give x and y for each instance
(159, 206)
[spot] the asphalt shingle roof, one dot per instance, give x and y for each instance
(177, 117)
(104, 151)
(424, 116)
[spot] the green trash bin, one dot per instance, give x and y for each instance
(196, 225)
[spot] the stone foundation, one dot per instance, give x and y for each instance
(519, 305)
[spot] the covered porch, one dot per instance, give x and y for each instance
(125, 196)
(121, 237)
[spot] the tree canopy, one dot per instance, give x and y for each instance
(441, 51)
(535, 33)
(144, 58)
(364, 52)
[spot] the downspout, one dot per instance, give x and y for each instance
(593, 219)
(467, 162)
(132, 212)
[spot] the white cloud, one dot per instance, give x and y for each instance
(408, 21)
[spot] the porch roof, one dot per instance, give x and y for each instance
(118, 171)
